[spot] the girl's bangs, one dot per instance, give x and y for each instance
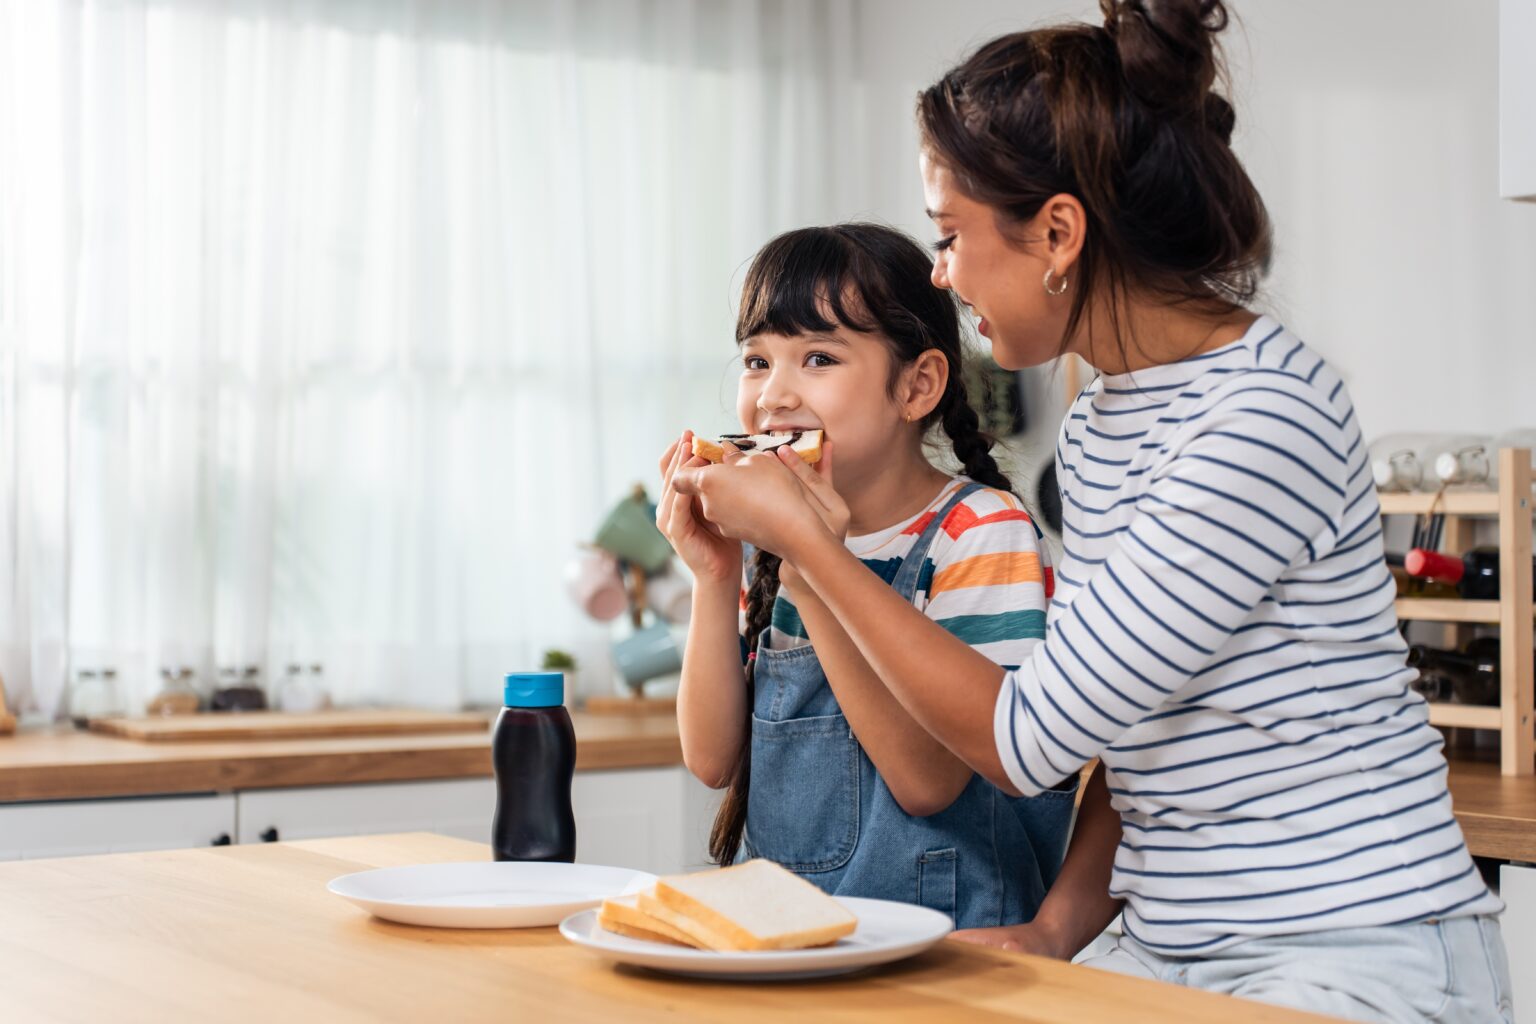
(804, 282)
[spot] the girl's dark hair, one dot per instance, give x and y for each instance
(875, 280)
(1124, 117)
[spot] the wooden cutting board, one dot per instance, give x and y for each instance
(273, 725)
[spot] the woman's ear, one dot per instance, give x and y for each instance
(1064, 223)
(923, 384)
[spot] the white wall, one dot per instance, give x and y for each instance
(1371, 128)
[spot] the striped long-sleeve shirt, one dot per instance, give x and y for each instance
(986, 577)
(1223, 638)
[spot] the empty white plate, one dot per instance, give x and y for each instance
(887, 931)
(479, 894)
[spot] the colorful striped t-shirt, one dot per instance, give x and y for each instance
(986, 577)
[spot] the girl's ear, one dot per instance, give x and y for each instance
(923, 384)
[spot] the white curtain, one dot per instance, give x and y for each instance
(329, 329)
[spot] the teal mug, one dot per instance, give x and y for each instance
(646, 654)
(630, 533)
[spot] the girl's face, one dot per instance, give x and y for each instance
(998, 278)
(834, 382)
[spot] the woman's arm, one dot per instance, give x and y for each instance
(921, 773)
(1078, 906)
(1223, 518)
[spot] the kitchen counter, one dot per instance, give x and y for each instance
(250, 933)
(67, 764)
(1497, 812)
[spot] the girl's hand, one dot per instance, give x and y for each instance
(708, 555)
(755, 498)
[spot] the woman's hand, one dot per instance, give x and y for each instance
(1020, 938)
(827, 503)
(708, 555)
(764, 499)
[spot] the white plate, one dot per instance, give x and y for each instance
(887, 931)
(481, 894)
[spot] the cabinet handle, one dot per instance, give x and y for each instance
(222, 839)
(270, 835)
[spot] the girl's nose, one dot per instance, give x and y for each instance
(777, 394)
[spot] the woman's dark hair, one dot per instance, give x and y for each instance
(874, 280)
(1124, 117)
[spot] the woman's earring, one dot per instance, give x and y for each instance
(1047, 282)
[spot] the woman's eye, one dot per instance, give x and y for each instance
(944, 243)
(755, 363)
(820, 359)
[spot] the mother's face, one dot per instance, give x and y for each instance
(1000, 278)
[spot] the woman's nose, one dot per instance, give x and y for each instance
(940, 274)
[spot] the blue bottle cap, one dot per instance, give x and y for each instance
(534, 690)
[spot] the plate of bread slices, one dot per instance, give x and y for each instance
(752, 921)
(805, 443)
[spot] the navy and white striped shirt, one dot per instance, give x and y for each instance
(1223, 638)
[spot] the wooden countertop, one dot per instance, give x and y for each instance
(1497, 812)
(250, 933)
(67, 764)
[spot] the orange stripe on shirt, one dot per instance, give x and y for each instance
(993, 570)
(963, 518)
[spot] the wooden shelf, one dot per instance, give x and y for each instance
(1512, 613)
(1447, 609)
(1466, 716)
(1451, 503)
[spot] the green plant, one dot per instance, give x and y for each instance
(558, 660)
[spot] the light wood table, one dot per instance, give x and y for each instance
(250, 933)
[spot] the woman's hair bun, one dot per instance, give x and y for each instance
(1167, 52)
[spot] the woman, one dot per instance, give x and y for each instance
(1222, 636)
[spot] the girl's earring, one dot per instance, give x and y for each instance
(1049, 271)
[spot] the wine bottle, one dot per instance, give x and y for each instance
(1454, 676)
(1415, 586)
(1475, 574)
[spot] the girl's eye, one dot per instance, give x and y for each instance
(944, 243)
(755, 363)
(819, 359)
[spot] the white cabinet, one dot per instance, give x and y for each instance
(1517, 100)
(1517, 887)
(654, 819)
(78, 827)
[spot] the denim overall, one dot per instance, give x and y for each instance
(817, 806)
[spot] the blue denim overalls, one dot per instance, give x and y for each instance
(817, 806)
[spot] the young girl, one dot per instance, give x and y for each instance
(840, 331)
(1223, 638)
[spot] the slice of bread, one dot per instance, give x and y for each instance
(698, 935)
(807, 443)
(623, 916)
(754, 905)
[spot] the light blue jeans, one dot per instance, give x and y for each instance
(1451, 970)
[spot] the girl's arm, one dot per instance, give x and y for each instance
(712, 695)
(1078, 906)
(1245, 495)
(921, 773)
